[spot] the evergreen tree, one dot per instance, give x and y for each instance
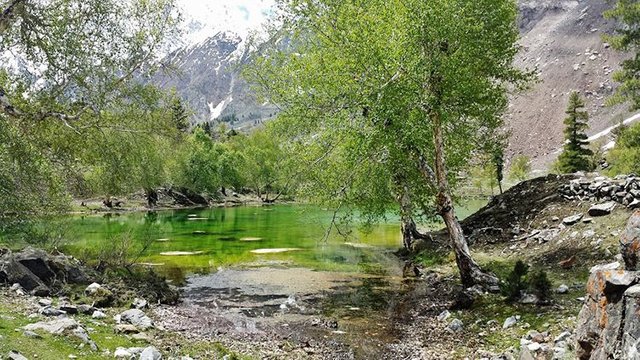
(575, 155)
(180, 116)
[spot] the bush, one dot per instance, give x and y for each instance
(516, 282)
(520, 168)
(540, 285)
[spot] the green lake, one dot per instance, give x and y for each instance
(179, 243)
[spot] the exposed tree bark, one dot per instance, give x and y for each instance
(408, 226)
(470, 272)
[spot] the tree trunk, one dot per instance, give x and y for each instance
(500, 186)
(409, 229)
(470, 272)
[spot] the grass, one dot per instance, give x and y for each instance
(13, 318)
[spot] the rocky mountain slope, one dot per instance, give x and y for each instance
(206, 75)
(561, 39)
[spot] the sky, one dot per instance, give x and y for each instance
(204, 18)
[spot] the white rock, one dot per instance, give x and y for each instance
(563, 289)
(98, 315)
(534, 346)
(92, 289)
(150, 353)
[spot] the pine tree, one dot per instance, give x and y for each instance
(179, 115)
(575, 155)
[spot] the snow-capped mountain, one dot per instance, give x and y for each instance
(207, 79)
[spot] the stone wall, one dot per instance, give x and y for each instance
(624, 190)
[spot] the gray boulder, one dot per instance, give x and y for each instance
(137, 318)
(63, 326)
(13, 272)
(150, 353)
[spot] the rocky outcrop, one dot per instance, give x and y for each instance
(630, 242)
(608, 324)
(624, 190)
(38, 272)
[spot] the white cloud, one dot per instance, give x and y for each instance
(204, 18)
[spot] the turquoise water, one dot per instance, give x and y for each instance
(183, 242)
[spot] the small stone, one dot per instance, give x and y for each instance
(44, 302)
(562, 289)
(125, 329)
(69, 309)
(98, 315)
(50, 311)
(137, 318)
(562, 337)
(92, 289)
(150, 353)
(32, 334)
(529, 299)
(456, 325)
(570, 220)
(509, 322)
(122, 353)
(445, 315)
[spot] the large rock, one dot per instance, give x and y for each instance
(603, 315)
(630, 242)
(36, 271)
(36, 261)
(63, 326)
(13, 272)
(602, 209)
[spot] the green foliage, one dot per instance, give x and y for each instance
(520, 168)
(627, 38)
(515, 282)
(575, 155)
(624, 158)
(540, 284)
(79, 123)
(375, 80)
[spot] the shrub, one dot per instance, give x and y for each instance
(540, 285)
(516, 282)
(520, 168)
